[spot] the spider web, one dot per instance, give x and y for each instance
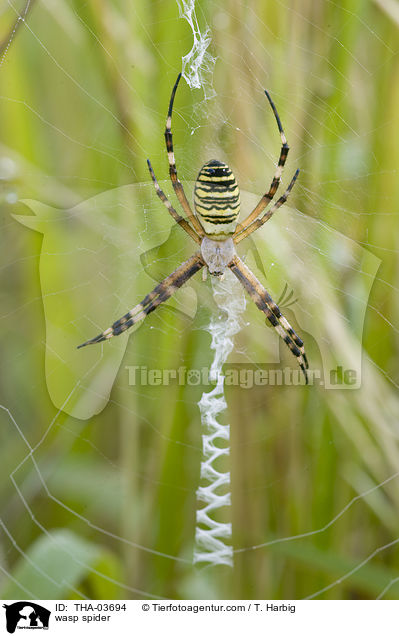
(100, 459)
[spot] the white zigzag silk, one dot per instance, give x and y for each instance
(212, 537)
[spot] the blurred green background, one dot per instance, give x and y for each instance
(104, 506)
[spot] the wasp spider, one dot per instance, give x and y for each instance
(214, 227)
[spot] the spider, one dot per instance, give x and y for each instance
(215, 229)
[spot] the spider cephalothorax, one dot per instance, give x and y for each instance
(214, 227)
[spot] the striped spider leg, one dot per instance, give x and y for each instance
(162, 292)
(265, 303)
(179, 219)
(241, 234)
(268, 196)
(177, 186)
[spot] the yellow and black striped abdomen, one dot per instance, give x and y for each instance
(217, 199)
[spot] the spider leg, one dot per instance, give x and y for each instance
(265, 303)
(176, 183)
(255, 225)
(158, 295)
(179, 219)
(268, 196)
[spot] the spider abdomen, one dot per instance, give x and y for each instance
(217, 199)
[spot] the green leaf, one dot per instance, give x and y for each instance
(54, 566)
